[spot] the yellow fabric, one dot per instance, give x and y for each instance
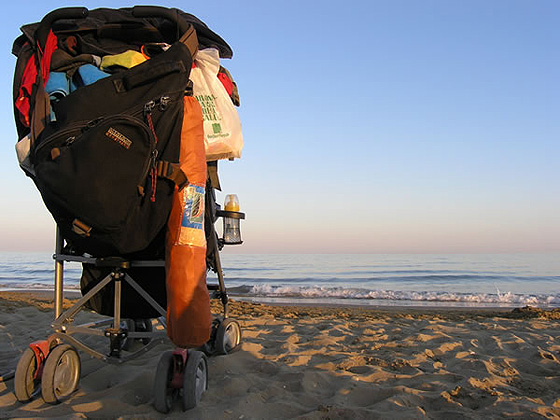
(126, 59)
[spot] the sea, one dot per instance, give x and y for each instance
(450, 280)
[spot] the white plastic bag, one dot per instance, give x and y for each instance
(222, 129)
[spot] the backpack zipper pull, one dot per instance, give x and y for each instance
(153, 175)
(163, 102)
(154, 158)
(148, 107)
(91, 124)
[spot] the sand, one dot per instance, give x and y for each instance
(324, 363)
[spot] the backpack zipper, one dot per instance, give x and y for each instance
(74, 132)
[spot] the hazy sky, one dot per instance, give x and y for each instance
(370, 126)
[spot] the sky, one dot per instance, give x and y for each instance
(396, 126)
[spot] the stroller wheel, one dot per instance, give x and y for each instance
(195, 379)
(144, 325)
(136, 325)
(61, 374)
(228, 336)
(209, 348)
(130, 326)
(26, 384)
(163, 392)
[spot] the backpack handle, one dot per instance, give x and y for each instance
(164, 12)
(63, 13)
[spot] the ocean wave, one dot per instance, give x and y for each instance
(450, 279)
(32, 285)
(250, 269)
(507, 298)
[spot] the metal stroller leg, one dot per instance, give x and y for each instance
(118, 293)
(68, 315)
(116, 334)
(58, 276)
(226, 332)
(218, 267)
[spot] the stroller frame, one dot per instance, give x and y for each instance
(173, 371)
(53, 365)
(64, 320)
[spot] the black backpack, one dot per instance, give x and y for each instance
(96, 167)
(105, 165)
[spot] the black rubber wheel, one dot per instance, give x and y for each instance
(144, 325)
(195, 379)
(61, 374)
(209, 348)
(136, 325)
(130, 326)
(25, 384)
(228, 337)
(163, 393)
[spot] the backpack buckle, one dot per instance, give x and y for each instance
(81, 228)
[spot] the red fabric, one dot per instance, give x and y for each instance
(30, 78)
(228, 84)
(50, 47)
(222, 77)
(27, 82)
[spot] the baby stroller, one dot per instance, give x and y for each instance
(118, 155)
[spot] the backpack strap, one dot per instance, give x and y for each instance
(213, 175)
(173, 172)
(190, 39)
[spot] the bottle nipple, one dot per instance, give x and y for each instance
(231, 203)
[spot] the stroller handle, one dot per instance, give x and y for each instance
(164, 12)
(63, 13)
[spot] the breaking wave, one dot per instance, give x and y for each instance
(339, 293)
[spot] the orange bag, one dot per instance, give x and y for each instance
(189, 319)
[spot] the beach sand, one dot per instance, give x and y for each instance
(323, 363)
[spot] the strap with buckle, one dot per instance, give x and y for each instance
(81, 228)
(173, 172)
